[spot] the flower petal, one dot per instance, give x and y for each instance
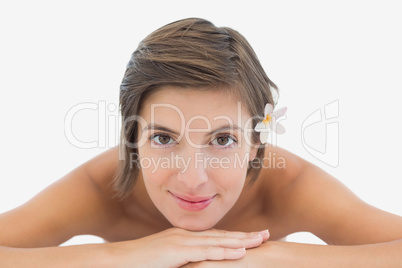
(280, 112)
(264, 135)
(268, 109)
(260, 127)
(278, 128)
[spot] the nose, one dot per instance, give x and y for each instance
(193, 173)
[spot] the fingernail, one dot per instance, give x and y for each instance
(263, 233)
(240, 249)
(256, 236)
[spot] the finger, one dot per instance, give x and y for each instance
(196, 254)
(223, 233)
(225, 242)
(265, 235)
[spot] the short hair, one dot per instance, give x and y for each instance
(189, 53)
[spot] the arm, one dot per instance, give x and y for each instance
(68, 207)
(80, 203)
(305, 198)
(358, 234)
(158, 250)
(73, 256)
(294, 255)
(318, 203)
(29, 234)
(386, 254)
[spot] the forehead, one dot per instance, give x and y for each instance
(172, 104)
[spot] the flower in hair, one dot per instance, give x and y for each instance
(270, 123)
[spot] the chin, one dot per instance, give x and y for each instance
(191, 226)
(191, 223)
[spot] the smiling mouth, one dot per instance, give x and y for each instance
(193, 199)
(192, 203)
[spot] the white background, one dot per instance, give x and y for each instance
(56, 55)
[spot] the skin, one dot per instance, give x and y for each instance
(297, 197)
(223, 179)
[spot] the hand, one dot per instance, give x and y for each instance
(253, 258)
(176, 247)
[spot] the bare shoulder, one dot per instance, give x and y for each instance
(78, 203)
(102, 169)
(306, 198)
(280, 169)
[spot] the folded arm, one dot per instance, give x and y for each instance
(310, 200)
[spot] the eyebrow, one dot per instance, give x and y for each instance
(166, 129)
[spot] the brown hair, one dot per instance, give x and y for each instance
(189, 53)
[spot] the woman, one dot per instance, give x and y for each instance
(193, 182)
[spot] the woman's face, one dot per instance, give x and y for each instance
(194, 151)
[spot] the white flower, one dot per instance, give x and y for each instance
(270, 122)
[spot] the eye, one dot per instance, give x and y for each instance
(162, 139)
(223, 141)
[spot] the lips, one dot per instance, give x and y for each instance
(193, 199)
(192, 203)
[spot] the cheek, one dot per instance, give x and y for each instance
(157, 181)
(156, 176)
(229, 161)
(155, 168)
(230, 175)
